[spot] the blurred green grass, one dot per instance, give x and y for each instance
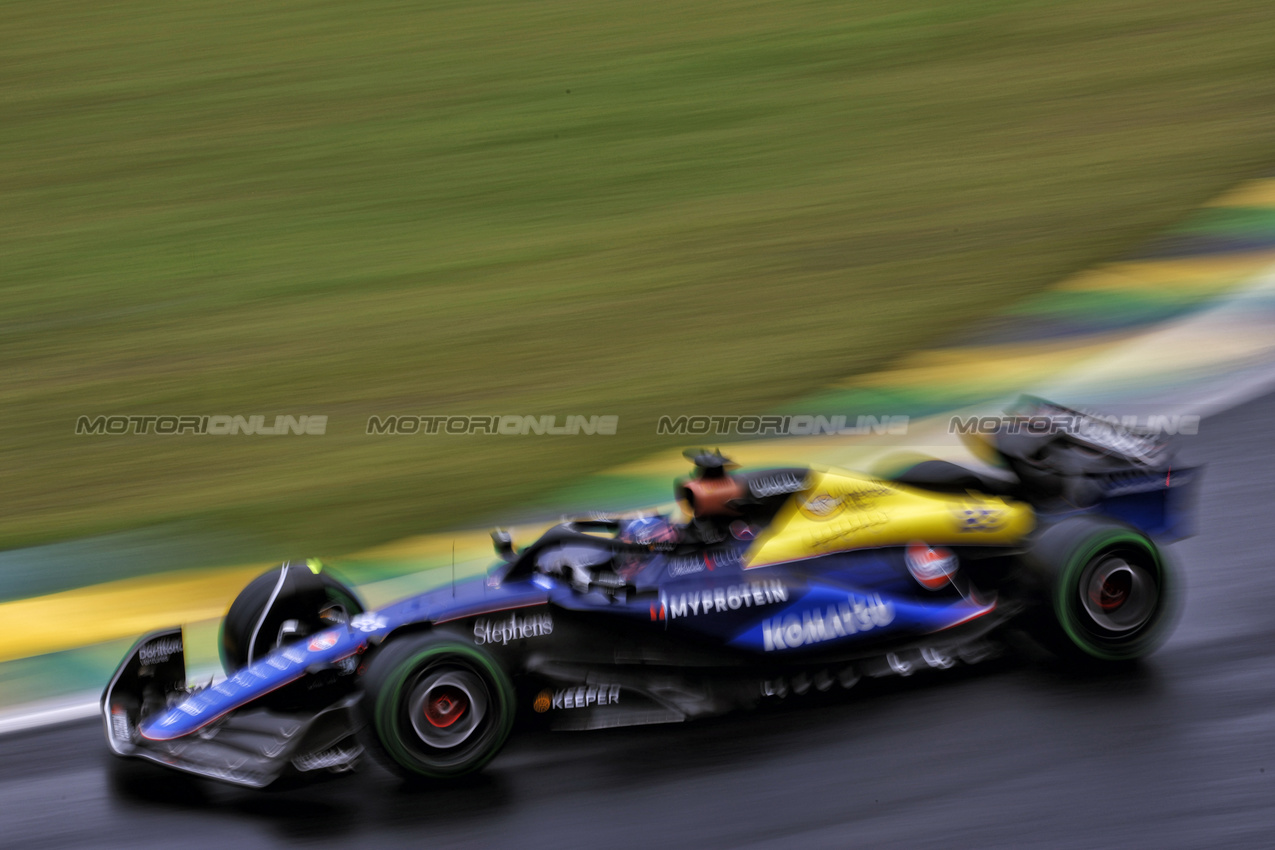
(543, 207)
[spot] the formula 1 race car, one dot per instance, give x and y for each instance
(780, 581)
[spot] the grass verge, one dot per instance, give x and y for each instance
(542, 208)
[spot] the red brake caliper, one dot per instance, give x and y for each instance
(446, 708)
(1113, 594)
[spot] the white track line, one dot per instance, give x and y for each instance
(68, 709)
(49, 713)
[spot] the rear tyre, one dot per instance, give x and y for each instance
(258, 619)
(1109, 589)
(436, 708)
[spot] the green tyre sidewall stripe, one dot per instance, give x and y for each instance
(1065, 590)
(388, 700)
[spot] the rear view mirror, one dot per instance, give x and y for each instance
(503, 541)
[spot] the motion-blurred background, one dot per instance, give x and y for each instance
(637, 209)
(508, 207)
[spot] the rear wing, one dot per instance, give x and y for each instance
(1067, 460)
(1105, 434)
(1161, 504)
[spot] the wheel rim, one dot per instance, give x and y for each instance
(447, 707)
(1119, 595)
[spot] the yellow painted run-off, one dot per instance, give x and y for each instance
(116, 609)
(129, 607)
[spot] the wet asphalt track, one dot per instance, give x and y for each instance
(1179, 752)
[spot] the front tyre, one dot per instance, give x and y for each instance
(291, 601)
(436, 708)
(1109, 590)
